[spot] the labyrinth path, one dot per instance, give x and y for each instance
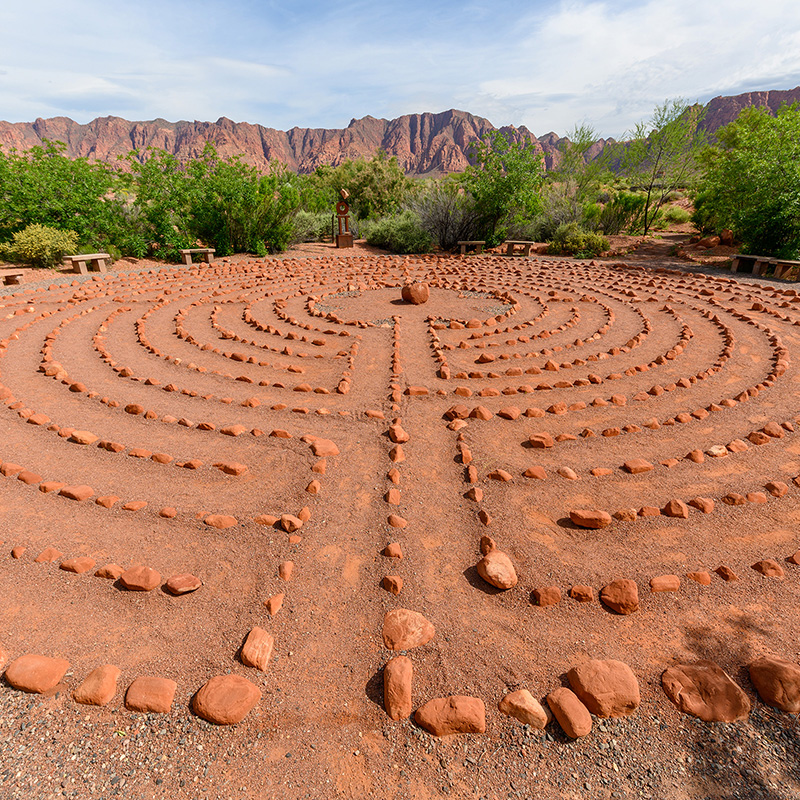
(275, 431)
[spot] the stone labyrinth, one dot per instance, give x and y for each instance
(244, 488)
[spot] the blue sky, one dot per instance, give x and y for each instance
(318, 64)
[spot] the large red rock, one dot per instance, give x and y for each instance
(98, 687)
(443, 716)
(226, 699)
(621, 595)
(140, 579)
(496, 568)
(777, 682)
(706, 691)
(590, 518)
(34, 673)
(416, 293)
(397, 679)
(607, 688)
(404, 629)
(571, 713)
(149, 694)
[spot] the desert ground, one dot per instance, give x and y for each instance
(233, 493)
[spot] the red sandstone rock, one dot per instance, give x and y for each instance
(404, 629)
(183, 584)
(524, 707)
(665, 583)
(777, 682)
(590, 518)
(621, 595)
(393, 584)
(416, 293)
(571, 713)
(98, 687)
(636, 466)
(110, 572)
(151, 695)
(547, 596)
(274, 604)
(79, 493)
(140, 579)
(220, 521)
(606, 688)
(583, 594)
(226, 699)
(769, 568)
(443, 716)
(35, 673)
(706, 691)
(676, 508)
(496, 568)
(726, 573)
(257, 649)
(48, 555)
(702, 578)
(78, 565)
(397, 682)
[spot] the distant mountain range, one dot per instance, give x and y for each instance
(424, 144)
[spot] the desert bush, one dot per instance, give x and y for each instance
(571, 240)
(399, 233)
(674, 215)
(447, 213)
(623, 212)
(40, 246)
(312, 227)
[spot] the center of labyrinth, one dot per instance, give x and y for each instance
(345, 474)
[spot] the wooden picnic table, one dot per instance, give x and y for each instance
(477, 246)
(758, 265)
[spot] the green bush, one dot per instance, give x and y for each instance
(40, 246)
(447, 212)
(312, 227)
(623, 212)
(400, 233)
(675, 215)
(571, 240)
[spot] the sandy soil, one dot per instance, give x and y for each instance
(628, 357)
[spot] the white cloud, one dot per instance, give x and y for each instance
(319, 64)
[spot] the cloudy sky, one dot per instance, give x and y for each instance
(311, 63)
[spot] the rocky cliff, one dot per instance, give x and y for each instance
(425, 144)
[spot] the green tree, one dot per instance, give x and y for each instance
(660, 155)
(43, 186)
(377, 186)
(505, 181)
(752, 181)
(580, 172)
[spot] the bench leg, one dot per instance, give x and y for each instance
(187, 259)
(509, 249)
(80, 268)
(526, 250)
(463, 249)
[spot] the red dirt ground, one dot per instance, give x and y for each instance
(615, 360)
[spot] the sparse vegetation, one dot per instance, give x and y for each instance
(399, 233)
(571, 240)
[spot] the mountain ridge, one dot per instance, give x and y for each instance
(424, 144)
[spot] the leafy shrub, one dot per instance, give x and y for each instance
(571, 240)
(40, 246)
(400, 233)
(312, 227)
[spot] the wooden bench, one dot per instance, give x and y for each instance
(476, 246)
(758, 265)
(512, 246)
(205, 254)
(95, 261)
(783, 268)
(11, 277)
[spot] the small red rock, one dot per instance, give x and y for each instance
(443, 716)
(35, 673)
(78, 565)
(257, 649)
(140, 579)
(98, 687)
(152, 695)
(621, 595)
(183, 584)
(590, 518)
(397, 682)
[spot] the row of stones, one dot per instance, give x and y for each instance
(604, 689)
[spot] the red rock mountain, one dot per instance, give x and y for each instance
(425, 144)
